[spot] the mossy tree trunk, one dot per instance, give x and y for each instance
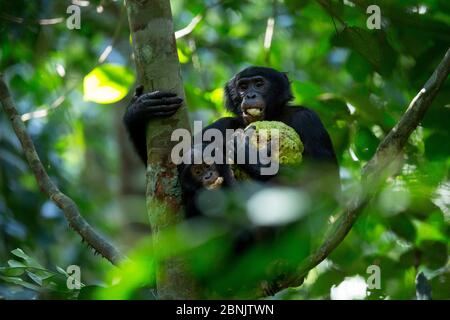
(158, 68)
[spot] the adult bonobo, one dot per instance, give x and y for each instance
(254, 94)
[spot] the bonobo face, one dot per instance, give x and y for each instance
(257, 93)
(207, 175)
(252, 91)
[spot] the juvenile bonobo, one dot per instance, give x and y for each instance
(205, 175)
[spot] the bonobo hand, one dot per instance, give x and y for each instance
(145, 106)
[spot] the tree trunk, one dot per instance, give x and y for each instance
(158, 68)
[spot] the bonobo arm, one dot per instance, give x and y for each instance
(225, 123)
(254, 170)
(314, 136)
(143, 108)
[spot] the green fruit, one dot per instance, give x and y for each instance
(291, 147)
(290, 150)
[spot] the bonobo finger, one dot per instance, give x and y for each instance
(160, 110)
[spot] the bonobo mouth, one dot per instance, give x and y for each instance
(215, 184)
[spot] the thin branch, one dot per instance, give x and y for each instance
(377, 169)
(196, 20)
(42, 22)
(66, 204)
(189, 28)
(270, 29)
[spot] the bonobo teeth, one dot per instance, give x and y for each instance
(253, 111)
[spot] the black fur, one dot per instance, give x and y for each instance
(316, 140)
(191, 186)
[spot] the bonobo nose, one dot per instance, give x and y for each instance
(251, 95)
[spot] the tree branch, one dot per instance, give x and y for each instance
(196, 20)
(66, 204)
(270, 29)
(382, 165)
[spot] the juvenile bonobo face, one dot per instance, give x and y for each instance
(252, 91)
(207, 175)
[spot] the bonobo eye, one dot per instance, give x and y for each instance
(243, 86)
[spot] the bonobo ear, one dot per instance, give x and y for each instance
(232, 100)
(287, 92)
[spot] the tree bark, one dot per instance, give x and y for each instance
(384, 163)
(158, 68)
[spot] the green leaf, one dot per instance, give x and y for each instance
(440, 285)
(365, 143)
(358, 67)
(306, 92)
(19, 253)
(408, 258)
(372, 46)
(20, 282)
(16, 264)
(107, 83)
(433, 253)
(323, 284)
(437, 147)
(29, 261)
(35, 278)
(12, 272)
(62, 271)
(403, 227)
(426, 231)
